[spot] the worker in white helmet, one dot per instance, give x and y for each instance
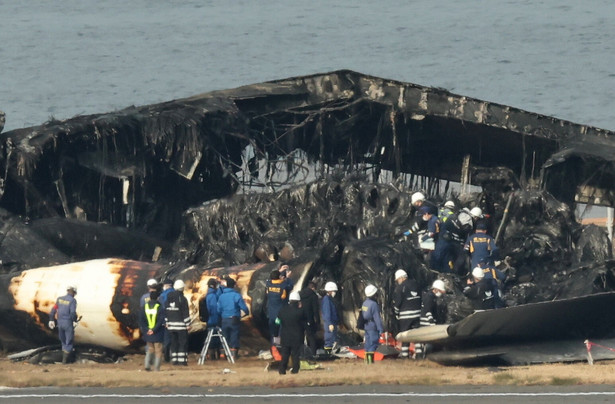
(480, 291)
(447, 210)
(449, 254)
(418, 201)
(152, 286)
(370, 310)
(177, 316)
(430, 312)
(429, 303)
(64, 312)
(330, 316)
(406, 306)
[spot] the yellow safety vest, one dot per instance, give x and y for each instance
(150, 315)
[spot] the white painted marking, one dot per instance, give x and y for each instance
(310, 395)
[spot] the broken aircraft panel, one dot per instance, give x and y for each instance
(108, 297)
(553, 331)
(314, 169)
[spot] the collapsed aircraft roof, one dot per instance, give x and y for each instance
(183, 152)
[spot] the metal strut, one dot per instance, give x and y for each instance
(215, 332)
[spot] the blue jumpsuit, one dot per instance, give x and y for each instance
(329, 317)
(373, 324)
(66, 310)
(482, 249)
(277, 297)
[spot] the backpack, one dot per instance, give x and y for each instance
(203, 310)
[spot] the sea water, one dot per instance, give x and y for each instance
(65, 58)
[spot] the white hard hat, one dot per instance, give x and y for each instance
(330, 287)
(370, 290)
(449, 204)
(476, 212)
(417, 196)
(400, 273)
(478, 273)
(72, 287)
(439, 284)
(178, 285)
(152, 283)
(294, 297)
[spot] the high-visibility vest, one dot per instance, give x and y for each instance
(150, 315)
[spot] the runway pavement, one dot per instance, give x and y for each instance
(336, 394)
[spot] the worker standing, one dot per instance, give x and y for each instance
(167, 288)
(276, 298)
(213, 317)
(481, 246)
(373, 323)
(449, 254)
(406, 306)
(230, 306)
(330, 316)
(152, 286)
(151, 322)
(292, 321)
(309, 303)
(64, 311)
(177, 316)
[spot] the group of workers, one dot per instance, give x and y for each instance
(460, 237)
(293, 317)
(165, 319)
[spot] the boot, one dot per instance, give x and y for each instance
(157, 361)
(65, 357)
(328, 350)
(148, 360)
(369, 356)
(234, 353)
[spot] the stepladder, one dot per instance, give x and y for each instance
(215, 332)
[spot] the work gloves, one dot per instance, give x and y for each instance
(51, 324)
(331, 327)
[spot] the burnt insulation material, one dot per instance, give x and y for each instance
(353, 223)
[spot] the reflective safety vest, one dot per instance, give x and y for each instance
(150, 315)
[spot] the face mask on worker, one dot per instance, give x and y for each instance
(438, 294)
(332, 293)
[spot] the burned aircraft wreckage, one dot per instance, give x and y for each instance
(315, 170)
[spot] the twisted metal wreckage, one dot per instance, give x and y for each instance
(316, 171)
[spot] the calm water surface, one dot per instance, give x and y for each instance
(63, 58)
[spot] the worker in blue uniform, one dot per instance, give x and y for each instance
(230, 306)
(64, 312)
(418, 201)
(277, 297)
(481, 246)
(373, 323)
(213, 317)
(330, 316)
